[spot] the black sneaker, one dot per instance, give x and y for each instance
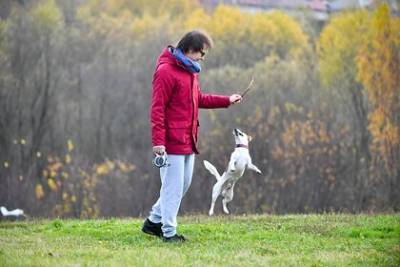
(174, 239)
(152, 228)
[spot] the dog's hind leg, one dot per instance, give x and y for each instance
(215, 193)
(211, 211)
(224, 202)
(228, 196)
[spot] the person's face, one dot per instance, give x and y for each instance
(197, 56)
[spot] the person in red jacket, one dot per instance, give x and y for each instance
(176, 98)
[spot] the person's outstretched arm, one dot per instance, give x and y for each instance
(217, 101)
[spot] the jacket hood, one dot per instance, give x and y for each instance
(167, 57)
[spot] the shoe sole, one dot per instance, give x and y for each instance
(150, 233)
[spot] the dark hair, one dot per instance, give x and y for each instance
(195, 41)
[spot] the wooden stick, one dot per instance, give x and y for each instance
(248, 87)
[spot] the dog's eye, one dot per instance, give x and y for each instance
(240, 134)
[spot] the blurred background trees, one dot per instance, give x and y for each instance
(75, 88)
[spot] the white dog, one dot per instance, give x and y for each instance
(240, 160)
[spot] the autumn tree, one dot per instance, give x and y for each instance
(337, 48)
(379, 72)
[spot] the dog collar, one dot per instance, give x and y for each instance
(240, 145)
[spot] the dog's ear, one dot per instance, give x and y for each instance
(250, 138)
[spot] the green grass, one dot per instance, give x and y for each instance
(259, 240)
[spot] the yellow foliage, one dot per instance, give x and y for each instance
(379, 72)
(66, 208)
(39, 191)
(65, 175)
(288, 136)
(70, 145)
(114, 6)
(111, 165)
(135, 19)
(67, 159)
(47, 16)
(302, 139)
(53, 174)
(52, 185)
(323, 134)
(176, 7)
(145, 25)
(377, 122)
(338, 45)
(102, 169)
(55, 166)
(125, 167)
(273, 114)
(94, 8)
(307, 134)
(263, 31)
(83, 173)
(198, 19)
(290, 107)
(289, 27)
(104, 22)
(228, 24)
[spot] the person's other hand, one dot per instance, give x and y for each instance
(235, 98)
(159, 150)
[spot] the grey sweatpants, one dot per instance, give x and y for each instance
(175, 181)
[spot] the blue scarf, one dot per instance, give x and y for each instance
(189, 64)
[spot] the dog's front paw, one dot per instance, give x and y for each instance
(211, 213)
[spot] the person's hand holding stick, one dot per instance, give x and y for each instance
(236, 98)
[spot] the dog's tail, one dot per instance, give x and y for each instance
(212, 169)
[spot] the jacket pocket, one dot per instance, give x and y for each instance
(178, 132)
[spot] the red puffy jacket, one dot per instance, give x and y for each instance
(175, 103)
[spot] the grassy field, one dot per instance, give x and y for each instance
(259, 240)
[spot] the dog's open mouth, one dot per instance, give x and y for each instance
(237, 132)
